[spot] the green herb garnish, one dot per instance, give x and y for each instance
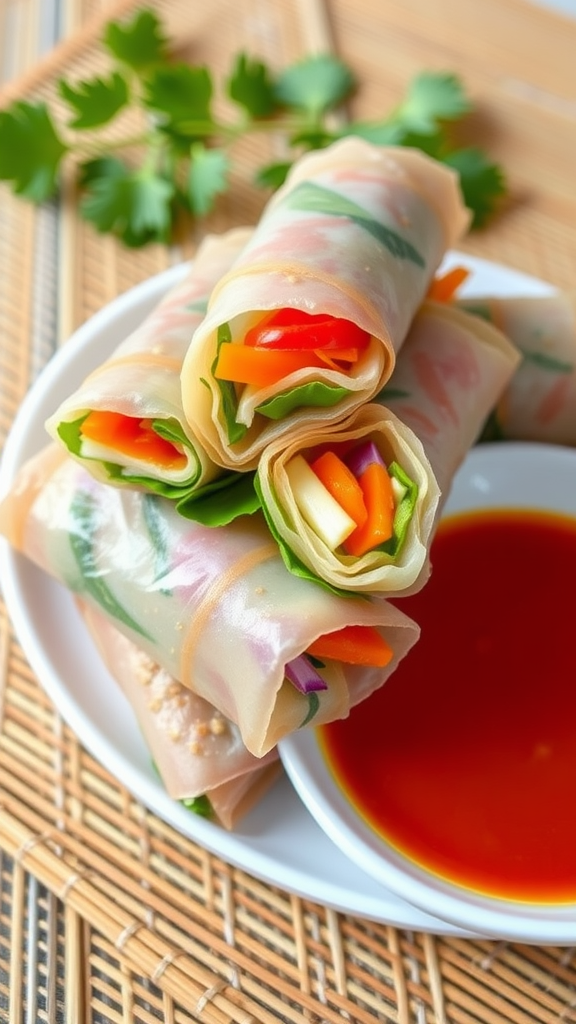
(184, 152)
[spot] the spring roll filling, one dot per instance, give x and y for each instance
(257, 352)
(352, 499)
(354, 645)
(133, 448)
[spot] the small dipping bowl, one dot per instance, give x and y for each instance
(513, 478)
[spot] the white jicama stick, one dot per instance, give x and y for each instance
(319, 508)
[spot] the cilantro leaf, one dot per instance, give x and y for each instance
(185, 164)
(251, 86)
(273, 175)
(180, 92)
(207, 177)
(101, 167)
(313, 138)
(394, 133)
(380, 133)
(315, 84)
(482, 182)
(139, 43)
(30, 150)
(431, 97)
(135, 205)
(95, 101)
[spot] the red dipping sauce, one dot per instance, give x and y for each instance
(465, 760)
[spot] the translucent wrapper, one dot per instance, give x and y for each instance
(454, 368)
(449, 373)
(140, 382)
(539, 404)
(215, 607)
(197, 751)
(356, 232)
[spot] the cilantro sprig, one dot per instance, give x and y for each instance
(138, 186)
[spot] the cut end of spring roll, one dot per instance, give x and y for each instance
(355, 234)
(450, 371)
(125, 421)
(394, 561)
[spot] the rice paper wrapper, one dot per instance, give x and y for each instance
(454, 368)
(196, 750)
(141, 380)
(539, 404)
(215, 607)
(357, 232)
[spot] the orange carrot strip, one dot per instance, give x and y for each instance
(132, 437)
(333, 359)
(379, 500)
(342, 485)
(261, 367)
(355, 645)
(444, 287)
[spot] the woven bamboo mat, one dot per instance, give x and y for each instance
(106, 913)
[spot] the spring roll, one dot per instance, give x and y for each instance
(306, 325)
(539, 404)
(198, 753)
(125, 421)
(215, 607)
(355, 504)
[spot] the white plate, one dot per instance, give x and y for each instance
(501, 475)
(279, 841)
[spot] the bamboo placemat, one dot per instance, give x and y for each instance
(106, 913)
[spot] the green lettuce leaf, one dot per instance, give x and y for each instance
(214, 504)
(316, 393)
(290, 559)
(170, 429)
(236, 431)
(157, 532)
(404, 511)
(221, 501)
(199, 805)
(84, 515)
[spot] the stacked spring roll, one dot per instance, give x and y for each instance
(539, 404)
(320, 298)
(399, 452)
(198, 753)
(306, 326)
(215, 607)
(125, 422)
